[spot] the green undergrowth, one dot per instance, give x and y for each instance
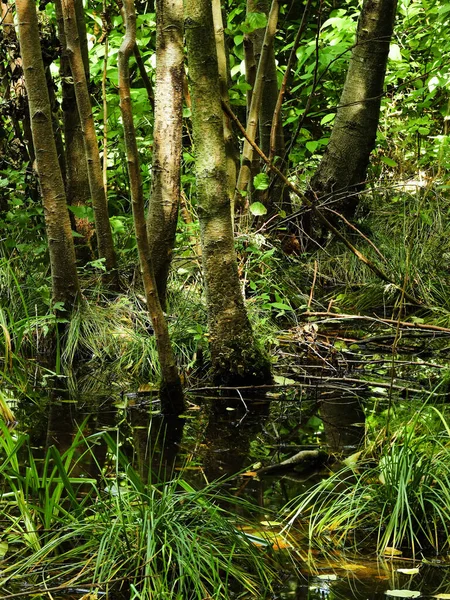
(394, 494)
(107, 529)
(411, 233)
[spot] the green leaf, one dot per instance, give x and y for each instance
(311, 146)
(280, 305)
(258, 209)
(254, 21)
(3, 549)
(82, 212)
(261, 182)
(328, 118)
(388, 161)
(280, 380)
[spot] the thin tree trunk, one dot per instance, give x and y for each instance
(77, 180)
(165, 193)
(234, 355)
(342, 171)
(99, 200)
(170, 391)
(275, 197)
(244, 177)
(231, 149)
(62, 254)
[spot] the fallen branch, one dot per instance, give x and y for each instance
(389, 322)
(306, 459)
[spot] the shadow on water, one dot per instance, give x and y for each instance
(230, 438)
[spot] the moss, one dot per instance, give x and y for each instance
(240, 364)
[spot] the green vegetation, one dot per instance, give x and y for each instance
(293, 238)
(395, 492)
(117, 533)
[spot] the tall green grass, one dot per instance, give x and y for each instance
(400, 499)
(117, 532)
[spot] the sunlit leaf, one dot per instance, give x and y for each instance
(3, 549)
(327, 118)
(258, 209)
(409, 571)
(352, 459)
(283, 380)
(402, 594)
(388, 551)
(395, 53)
(312, 146)
(261, 182)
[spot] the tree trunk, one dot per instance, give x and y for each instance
(245, 172)
(234, 355)
(171, 392)
(62, 255)
(165, 194)
(342, 171)
(77, 180)
(275, 197)
(99, 201)
(231, 148)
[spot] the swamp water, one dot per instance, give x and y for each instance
(230, 436)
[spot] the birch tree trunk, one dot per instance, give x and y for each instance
(99, 201)
(165, 193)
(171, 392)
(62, 254)
(234, 355)
(342, 171)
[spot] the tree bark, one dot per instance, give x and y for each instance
(245, 172)
(77, 180)
(342, 171)
(171, 392)
(275, 197)
(165, 193)
(99, 200)
(231, 149)
(62, 254)
(234, 355)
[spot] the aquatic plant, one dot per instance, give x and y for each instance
(117, 532)
(400, 498)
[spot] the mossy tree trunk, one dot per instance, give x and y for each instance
(234, 355)
(342, 170)
(98, 195)
(60, 242)
(170, 391)
(231, 146)
(77, 180)
(165, 193)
